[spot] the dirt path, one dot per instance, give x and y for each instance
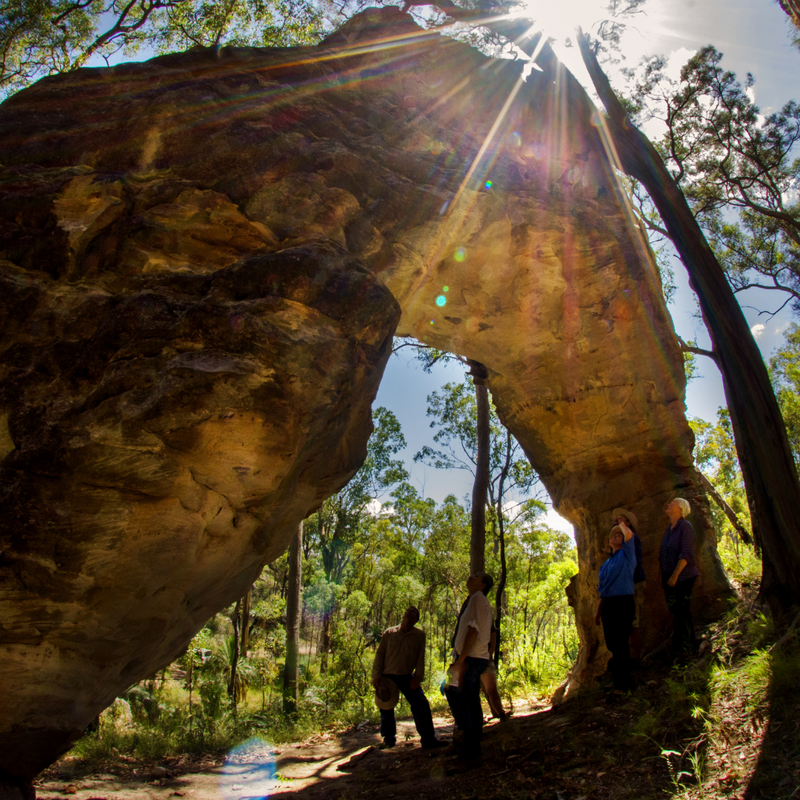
(329, 765)
(589, 749)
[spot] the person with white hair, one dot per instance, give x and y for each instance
(679, 573)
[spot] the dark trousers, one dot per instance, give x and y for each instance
(465, 703)
(617, 614)
(420, 709)
(679, 604)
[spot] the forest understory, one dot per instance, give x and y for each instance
(724, 725)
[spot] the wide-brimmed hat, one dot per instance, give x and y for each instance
(624, 512)
(386, 695)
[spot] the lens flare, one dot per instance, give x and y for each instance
(441, 300)
(248, 772)
(488, 184)
(460, 254)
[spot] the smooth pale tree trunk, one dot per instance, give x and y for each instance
(245, 646)
(480, 488)
(763, 448)
(235, 654)
(293, 591)
(501, 530)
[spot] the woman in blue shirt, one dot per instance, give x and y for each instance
(617, 606)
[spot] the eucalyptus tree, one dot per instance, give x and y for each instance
(293, 599)
(454, 413)
(770, 477)
(337, 524)
(738, 169)
(333, 529)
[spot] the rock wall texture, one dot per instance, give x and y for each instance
(205, 257)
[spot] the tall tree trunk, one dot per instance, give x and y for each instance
(761, 442)
(480, 488)
(245, 636)
(235, 654)
(290, 670)
(501, 583)
(325, 643)
(738, 525)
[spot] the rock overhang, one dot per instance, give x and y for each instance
(206, 256)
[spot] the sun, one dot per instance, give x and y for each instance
(560, 19)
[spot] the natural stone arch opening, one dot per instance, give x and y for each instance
(205, 259)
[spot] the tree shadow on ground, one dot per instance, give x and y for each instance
(697, 731)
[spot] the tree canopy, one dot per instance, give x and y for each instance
(43, 37)
(737, 169)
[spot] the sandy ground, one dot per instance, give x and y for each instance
(329, 765)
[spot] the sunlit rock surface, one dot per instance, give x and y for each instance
(205, 257)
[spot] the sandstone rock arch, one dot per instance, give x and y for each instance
(205, 258)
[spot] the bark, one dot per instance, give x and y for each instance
(235, 654)
(792, 9)
(480, 488)
(761, 441)
(245, 637)
(325, 642)
(501, 530)
(290, 670)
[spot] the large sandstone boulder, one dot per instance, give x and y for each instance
(205, 258)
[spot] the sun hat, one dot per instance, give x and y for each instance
(623, 512)
(386, 695)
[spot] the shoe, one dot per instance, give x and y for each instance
(387, 743)
(433, 744)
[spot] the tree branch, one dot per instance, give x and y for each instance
(698, 351)
(744, 534)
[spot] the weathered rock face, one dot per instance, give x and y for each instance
(206, 256)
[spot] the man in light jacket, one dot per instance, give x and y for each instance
(401, 659)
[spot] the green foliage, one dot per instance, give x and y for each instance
(42, 37)
(784, 371)
(409, 551)
(453, 412)
(336, 527)
(715, 456)
(737, 169)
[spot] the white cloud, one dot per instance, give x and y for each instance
(675, 62)
(781, 328)
(757, 330)
(558, 522)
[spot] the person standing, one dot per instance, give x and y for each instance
(400, 658)
(617, 607)
(639, 585)
(679, 573)
(471, 658)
